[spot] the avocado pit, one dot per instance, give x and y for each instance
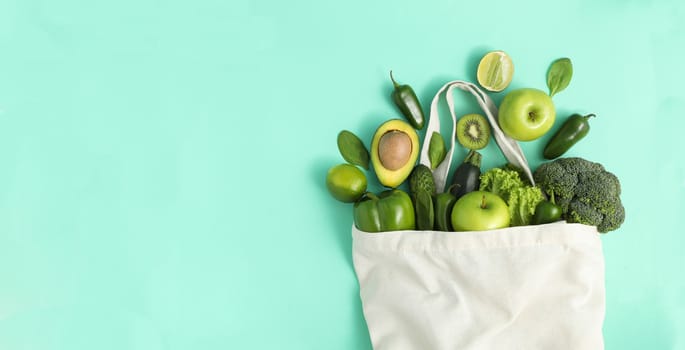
(394, 149)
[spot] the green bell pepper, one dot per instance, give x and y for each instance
(391, 210)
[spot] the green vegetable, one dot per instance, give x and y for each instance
(521, 198)
(559, 75)
(405, 99)
(391, 210)
(422, 188)
(585, 191)
(421, 178)
(443, 204)
(546, 212)
(425, 217)
(521, 172)
(352, 149)
(436, 150)
(466, 177)
(572, 131)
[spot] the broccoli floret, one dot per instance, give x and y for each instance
(579, 165)
(599, 190)
(584, 213)
(614, 221)
(553, 177)
(585, 191)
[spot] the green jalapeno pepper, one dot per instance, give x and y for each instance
(572, 131)
(391, 210)
(405, 99)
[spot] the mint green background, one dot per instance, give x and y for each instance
(162, 163)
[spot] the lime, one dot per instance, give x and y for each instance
(346, 182)
(495, 71)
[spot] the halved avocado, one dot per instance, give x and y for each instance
(394, 150)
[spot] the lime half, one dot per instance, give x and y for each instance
(495, 71)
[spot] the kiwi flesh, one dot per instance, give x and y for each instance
(473, 131)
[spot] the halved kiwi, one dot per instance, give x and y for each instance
(473, 131)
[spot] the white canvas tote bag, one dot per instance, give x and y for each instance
(526, 287)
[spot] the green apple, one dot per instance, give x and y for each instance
(479, 211)
(526, 114)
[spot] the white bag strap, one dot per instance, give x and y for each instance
(510, 148)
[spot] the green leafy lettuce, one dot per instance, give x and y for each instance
(520, 197)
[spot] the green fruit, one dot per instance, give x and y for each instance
(346, 182)
(421, 179)
(495, 71)
(479, 211)
(526, 114)
(394, 151)
(473, 131)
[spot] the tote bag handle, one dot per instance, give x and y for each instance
(509, 147)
